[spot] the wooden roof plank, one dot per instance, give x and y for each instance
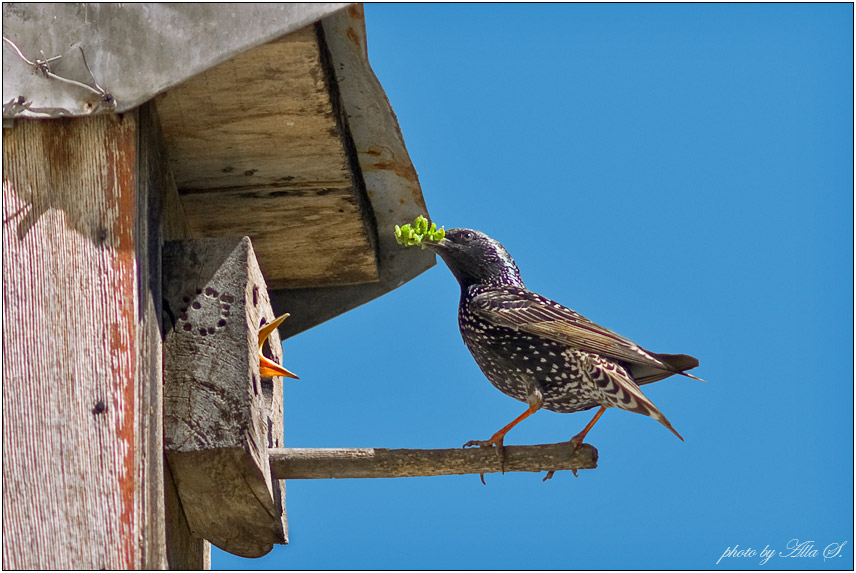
(259, 146)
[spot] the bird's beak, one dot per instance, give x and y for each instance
(268, 367)
(436, 246)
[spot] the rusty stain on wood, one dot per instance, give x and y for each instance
(404, 170)
(121, 167)
(69, 195)
(85, 205)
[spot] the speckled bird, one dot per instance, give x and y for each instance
(540, 352)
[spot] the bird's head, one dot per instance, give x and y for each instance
(474, 258)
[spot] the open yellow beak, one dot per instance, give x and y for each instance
(268, 367)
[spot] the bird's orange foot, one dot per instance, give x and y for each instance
(576, 441)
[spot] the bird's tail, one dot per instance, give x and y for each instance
(662, 419)
(680, 363)
(645, 406)
(622, 392)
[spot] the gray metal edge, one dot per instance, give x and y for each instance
(135, 51)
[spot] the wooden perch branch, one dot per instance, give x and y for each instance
(339, 463)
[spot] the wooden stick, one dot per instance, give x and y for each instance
(339, 463)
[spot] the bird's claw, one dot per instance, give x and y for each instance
(551, 472)
(479, 443)
(575, 442)
(500, 451)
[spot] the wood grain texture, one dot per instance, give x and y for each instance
(73, 458)
(161, 216)
(220, 414)
(341, 463)
(390, 178)
(152, 187)
(185, 552)
(260, 147)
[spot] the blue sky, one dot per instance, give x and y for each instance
(681, 174)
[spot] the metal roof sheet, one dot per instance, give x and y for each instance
(134, 51)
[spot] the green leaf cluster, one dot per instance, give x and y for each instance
(409, 235)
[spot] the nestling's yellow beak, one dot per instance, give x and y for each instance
(268, 367)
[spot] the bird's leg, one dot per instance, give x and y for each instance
(577, 440)
(535, 399)
(497, 439)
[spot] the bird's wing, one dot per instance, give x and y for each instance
(524, 310)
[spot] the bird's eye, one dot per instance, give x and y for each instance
(469, 235)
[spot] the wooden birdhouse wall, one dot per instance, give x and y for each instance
(83, 208)
(89, 201)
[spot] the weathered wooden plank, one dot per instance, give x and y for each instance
(74, 462)
(220, 415)
(185, 552)
(263, 137)
(303, 239)
(149, 387)
(391, 181)
(160, 216)
(342, 463)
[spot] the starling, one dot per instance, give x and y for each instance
(540, 352)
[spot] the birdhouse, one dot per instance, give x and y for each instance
(175, 177)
